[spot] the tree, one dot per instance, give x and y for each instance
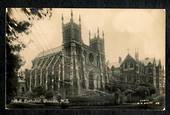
(38, 91)
(14, 45)
(142, 91)
(29, 94)
(152, 89)
(49, 94)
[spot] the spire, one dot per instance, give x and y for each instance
(154, 60)
(79, 20)
(89, 34)
(159, 64)
(103, 34)
(103, 37)
(71, 14)
(120, 60)
(71, 19)
(62, 18)
(98, 32)
(136, 55)
(80, 26)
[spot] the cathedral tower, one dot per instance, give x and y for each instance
(71, 47)
(97, 43)
(71, 30)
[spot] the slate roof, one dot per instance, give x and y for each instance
(50, 51)
(145, 61)
(149, 60)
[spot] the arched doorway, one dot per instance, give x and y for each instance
(98, 82)
(22, 90)
(91, 80)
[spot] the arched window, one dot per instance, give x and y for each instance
(131, 65)
(137, 68)
(125, 66)
(38, 80)
(84, 53)
(98, 82)
(83, 84)
(91, 80)
(91, 57)
(150, 70)
(22, 90)
(97, 60)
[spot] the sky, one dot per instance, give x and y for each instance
(125, 30)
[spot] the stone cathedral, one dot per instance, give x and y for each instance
(74, 67)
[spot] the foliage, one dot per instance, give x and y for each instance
(128, 91)
(152, 89)
(49, 94)
(38, 12)
(38, 91)
(142, 91)
(92, 100)
(29, 94)
(116, 86)
(14, 45)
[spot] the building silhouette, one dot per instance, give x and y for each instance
(74, 67)
(134, 71)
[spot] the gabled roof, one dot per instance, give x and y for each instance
(45, 61)
(116, 64)
(144, 62)
(127, 58)
(50, 51)
(147, 60)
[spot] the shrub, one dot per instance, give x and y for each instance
(92, 100)
(49, 94)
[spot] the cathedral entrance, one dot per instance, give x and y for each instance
(91, 80)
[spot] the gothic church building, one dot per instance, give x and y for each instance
(72, 68)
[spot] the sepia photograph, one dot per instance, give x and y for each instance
(85, 58)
